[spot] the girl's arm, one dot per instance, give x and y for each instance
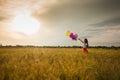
(81, 40)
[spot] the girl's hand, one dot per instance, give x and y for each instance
(80, 40)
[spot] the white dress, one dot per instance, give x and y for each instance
(84, 45)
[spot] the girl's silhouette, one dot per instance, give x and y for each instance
(85, 45)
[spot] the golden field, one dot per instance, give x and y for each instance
(30, 63)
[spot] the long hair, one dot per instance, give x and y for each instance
(86, 41)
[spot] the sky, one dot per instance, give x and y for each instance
(96, 20)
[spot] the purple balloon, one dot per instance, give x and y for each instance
(71, 35)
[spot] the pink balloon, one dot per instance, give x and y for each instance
(71, 33)
(76, 35)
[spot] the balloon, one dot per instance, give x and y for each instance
(72, 39)
(76, 36)
(68, 33)
(72, 35)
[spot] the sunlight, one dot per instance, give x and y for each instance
(25, 23)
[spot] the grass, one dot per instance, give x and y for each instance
(59, 64)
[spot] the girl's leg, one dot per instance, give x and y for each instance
(85, 50)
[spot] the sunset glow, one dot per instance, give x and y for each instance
(25, 23)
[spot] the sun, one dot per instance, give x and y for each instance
(25, 23)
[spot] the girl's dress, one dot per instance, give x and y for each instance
(85, 48)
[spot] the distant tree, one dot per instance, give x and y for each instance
(0, 44)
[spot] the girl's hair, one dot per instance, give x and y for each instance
(86, 41)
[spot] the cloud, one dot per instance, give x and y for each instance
(109, 26)
(108, 37)
(107, 23)
(108, 5)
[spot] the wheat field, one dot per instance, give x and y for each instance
(30, 63)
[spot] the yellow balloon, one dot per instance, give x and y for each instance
(67, 33)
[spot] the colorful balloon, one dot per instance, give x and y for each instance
(72, 35)
(68, 33)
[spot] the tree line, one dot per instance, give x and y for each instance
(59, 46)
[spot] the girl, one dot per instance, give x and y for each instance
(85, 45)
